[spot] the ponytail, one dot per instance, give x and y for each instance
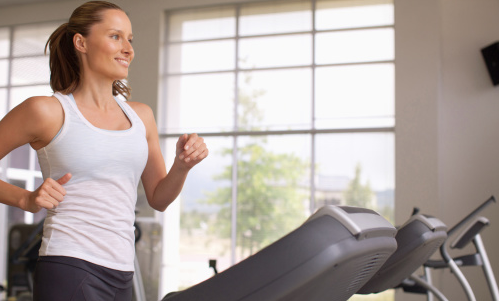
(121, 87)
(64, 63)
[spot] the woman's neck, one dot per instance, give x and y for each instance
(95, 93)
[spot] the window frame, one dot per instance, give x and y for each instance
(165, 134)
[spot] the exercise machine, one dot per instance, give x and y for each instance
(330, 256)
(468, 231)
(417, 239)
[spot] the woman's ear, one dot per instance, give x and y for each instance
(80, 43)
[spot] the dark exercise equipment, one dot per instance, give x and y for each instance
(24, 243)
(418, 239)
(334, 253)
(23, 257)
(467, 231)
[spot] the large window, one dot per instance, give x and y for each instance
(295, 100)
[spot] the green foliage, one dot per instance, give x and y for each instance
(357, 194)
(360, 195)
(270, 202)
(388, 213)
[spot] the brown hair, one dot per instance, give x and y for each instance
(64, 62)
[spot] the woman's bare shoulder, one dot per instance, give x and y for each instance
(142, 109)
(146, 114)
(34, 121)
(38, 106)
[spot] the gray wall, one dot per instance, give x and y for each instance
(446, 129)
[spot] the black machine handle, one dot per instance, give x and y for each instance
(463, 222)
(28, 244)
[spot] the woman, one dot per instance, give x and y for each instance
(93, 149)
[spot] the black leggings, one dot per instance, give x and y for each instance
(59, 278)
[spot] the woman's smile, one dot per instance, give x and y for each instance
(124, 62)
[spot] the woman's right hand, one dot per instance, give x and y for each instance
(49, 195)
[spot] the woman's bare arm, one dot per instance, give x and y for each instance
(35, 121)
(162, 188)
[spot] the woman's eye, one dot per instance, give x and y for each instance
(116, 37)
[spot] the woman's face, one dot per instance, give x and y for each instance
(109, 51)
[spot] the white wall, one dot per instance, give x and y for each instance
(446, 137)
(446, 130)
(469, 136)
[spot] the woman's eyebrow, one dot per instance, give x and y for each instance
(120, 32)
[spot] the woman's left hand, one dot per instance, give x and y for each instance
(191, 150)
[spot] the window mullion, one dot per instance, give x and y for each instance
(234, 147)
(312, 142)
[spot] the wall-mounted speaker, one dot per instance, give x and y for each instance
(491, 57)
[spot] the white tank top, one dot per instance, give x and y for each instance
(95, 220)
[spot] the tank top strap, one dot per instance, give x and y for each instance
(64, 100)
(69, 115)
